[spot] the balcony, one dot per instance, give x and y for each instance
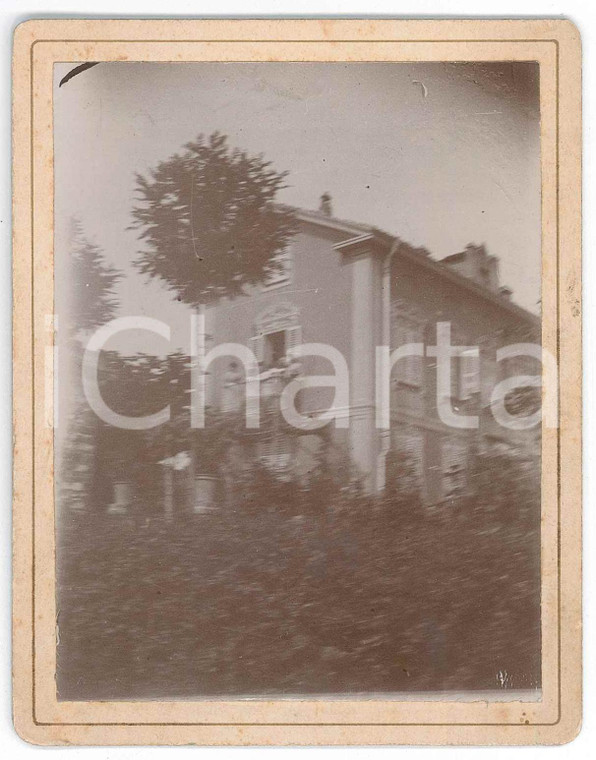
(271, 382)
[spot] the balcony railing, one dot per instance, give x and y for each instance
(271, 381)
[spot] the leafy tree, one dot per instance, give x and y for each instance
(90, 302)
(92, 282)
(209, 221)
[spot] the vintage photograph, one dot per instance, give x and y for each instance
(297, 380)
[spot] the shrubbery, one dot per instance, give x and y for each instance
(295, 588)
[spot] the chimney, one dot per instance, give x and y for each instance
(325, 205)
(474, 262)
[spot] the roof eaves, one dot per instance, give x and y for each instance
(465, 282)
(361, 233)
(322, 220)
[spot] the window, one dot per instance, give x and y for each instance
(274, 348)
(276, 454)
(488, 374)
(520, 365)
(408, 370)
(468, 375)
(282, 270)
(409, 444)
(271, 348)
(454, 456)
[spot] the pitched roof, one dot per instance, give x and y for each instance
(420, 255)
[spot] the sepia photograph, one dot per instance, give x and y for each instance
(298, 428)
(297, 349)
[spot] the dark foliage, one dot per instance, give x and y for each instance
(209, 221)
(307, 588)
(92, 281)
(91, 302)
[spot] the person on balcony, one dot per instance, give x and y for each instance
(232, 393)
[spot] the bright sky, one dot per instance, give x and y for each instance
(440, 154)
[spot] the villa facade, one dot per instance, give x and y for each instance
(354, 287)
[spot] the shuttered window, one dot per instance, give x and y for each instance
(468, 375)
(263, 351)
(411, 444)
(257, 345)
(408, 370)
(454, 456)
(275, 453)
(282, 271)
(293, 338)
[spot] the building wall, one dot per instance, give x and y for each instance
(323, 288)
(422, 298)
(320, 289)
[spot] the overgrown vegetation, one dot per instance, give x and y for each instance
(294, 588)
